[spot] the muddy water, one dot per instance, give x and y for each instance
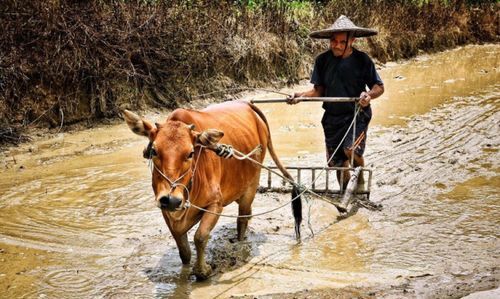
(77, 217)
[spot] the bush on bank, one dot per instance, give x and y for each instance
(66, 61)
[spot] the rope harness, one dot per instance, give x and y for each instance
(173, 183)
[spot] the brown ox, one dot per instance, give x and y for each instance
(186, 167)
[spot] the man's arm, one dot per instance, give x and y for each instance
(365, 97)
(316, 91)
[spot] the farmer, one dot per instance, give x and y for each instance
(343, 71)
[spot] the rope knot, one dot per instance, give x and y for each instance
(225, 151)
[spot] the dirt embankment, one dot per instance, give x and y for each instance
(65, 62)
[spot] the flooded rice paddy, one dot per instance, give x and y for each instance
(77, 217)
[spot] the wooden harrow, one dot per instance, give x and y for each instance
(322, 181)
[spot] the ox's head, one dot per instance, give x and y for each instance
(174, 149)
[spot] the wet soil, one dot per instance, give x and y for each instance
(77, 216)
(453, 285)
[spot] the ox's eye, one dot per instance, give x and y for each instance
(191, 154)
(149, 152)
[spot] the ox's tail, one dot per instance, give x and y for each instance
(296, 198)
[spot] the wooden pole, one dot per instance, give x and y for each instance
(306, 99)
(351, 188)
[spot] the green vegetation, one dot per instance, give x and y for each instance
(66, 61)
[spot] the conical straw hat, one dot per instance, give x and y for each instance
(343, 24)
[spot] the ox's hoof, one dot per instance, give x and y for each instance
(202, 272)
(236, 239)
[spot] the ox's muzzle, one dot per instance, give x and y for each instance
(170, 203)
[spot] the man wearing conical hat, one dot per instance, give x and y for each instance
(343, 71)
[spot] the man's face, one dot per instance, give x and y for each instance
(339, 42)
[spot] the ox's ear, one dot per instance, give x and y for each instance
(138, 125)
(209, 138)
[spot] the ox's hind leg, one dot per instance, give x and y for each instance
(201, 269)
(245, 209)
(242, 222)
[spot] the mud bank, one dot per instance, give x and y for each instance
(69, 62)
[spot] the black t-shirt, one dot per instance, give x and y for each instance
(346, 77)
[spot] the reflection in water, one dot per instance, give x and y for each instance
(77, 217)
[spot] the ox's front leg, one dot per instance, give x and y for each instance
(183, 246)
(201, 269)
